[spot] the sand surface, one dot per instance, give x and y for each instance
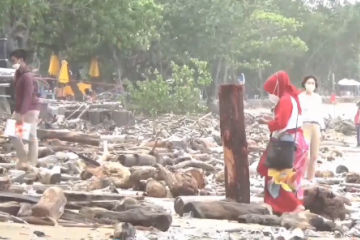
(14, 231)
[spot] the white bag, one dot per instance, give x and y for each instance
(13, 130)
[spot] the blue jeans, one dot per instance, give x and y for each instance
(358, 134)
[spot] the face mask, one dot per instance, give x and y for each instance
(273, 98)
(310, 87)
(16, 65)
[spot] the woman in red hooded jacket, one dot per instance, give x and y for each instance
(287, 119)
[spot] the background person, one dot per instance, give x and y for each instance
(313, 121)
(27, 108)
(357, 124)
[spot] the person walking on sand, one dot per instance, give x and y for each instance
(357, 124)
(286, 123)
(313, 121)
(27, 108)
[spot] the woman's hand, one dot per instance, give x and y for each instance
(268, 118)
(262, 121)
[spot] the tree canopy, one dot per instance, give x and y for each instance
(134, 37)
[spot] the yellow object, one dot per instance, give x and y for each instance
(68, 91)
(64, 72)
(286, 178)
(83, 87)
(54, 65)
(94, 68)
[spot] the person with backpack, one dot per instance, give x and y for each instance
(27, 108)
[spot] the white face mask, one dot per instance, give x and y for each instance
(273, 98)
(310, 87)
(16, 65)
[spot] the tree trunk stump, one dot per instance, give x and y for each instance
(232, 126)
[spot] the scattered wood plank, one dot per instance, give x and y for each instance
(76, 137)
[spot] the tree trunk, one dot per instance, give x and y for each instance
(232, 125)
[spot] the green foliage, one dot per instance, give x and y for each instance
(257, 38)
(181, 94)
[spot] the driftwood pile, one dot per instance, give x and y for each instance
(93, 176)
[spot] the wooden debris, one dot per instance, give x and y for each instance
(179, 183)
(124, 231)
(130, 160)
(76, 137)
(138, 217)
(325, 203)
(51, 205)
(5, 183)
(130, 182)
(223, 209)
(302, 220)
(180, 202)
(49, 176)
(155, 189)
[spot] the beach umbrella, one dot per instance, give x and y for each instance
(94, 68)
(54, 65)
(64, 72)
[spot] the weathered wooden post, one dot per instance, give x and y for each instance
(232, 126)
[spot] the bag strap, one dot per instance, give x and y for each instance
(296, 126)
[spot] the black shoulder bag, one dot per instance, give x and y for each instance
(281, 153)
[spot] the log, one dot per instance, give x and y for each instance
(136, 217)
(51, 204)
(194, 163)
(302, 220)
(107, 204)
(180, 202)
(131, 203)
(76, 137)
(97, 183)
(141, 173)
(198, 175)
(49, 176)
(11, 208)
(222, 210)
(37, 187)
(25, 210)
(8, 196)
(325, 203)
(155, 189)
(5, 183)
(179, 183)
(232, 126)
(130, 160)
(79, 218)
(88, 196)
(124, 231)
(44, 151)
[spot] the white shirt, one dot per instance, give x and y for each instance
(295, 120)
(311, 106)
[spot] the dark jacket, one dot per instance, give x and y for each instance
(26, 89)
